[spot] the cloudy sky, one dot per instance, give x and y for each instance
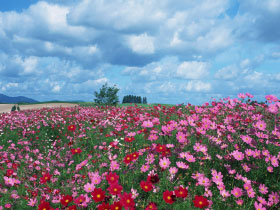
(171, 51)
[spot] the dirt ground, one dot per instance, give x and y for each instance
(8, 107)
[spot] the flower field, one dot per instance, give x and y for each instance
(221, 155)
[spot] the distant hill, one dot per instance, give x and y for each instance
(12, 100)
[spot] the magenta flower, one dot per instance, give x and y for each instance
(236, 192)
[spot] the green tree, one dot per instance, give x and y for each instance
(107, 95)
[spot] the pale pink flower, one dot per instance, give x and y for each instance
(147, 124)
(89, 187)
(9, 181)
(114, 165)
(145, 168)
(153, 137)
(239, 202)
(190, 158)
(173, 170)
(241, 95)
(224, 193)
(204, 181)
(273, 108)
(32, 202)
(134, 193)
(182, 165)
(164, 163)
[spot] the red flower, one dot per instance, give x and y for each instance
(45, 178)
(98, 195)
(168, 197)
(9, 172)
(115, 189)
(146, 186)
(66, 199)
(153, 179)
(151, 206)
(200, 202)
(116, 206)
(129, 139)
(75, 151)
(112, 178)
(127, 200)
(72, 128)
(160, 148)
(128, 158)
(103, 206)
(181, 192)
(73, 207)
(135, 155)
(44, 206)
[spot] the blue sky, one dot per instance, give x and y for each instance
(171, 51)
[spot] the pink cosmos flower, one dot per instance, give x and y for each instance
(181, 137)
(9, 181)
(239, 202)
(251, 193)
(271, 98)
(147, 124)
(32, 202)
(236, 192)
(89, 187)
(224, 193)
(259, 206)
(247, 139)
(238, 155)
(153, 137)
(274, 161)
(204, 181)
(249, 95)
(273, 108)
(273, 197)
(263, 189)
(190, 158)
(173, 170)
(241, 95)
(182, 165)
(261, 200)
(164, 163)
(270, 169)
(145, 168)
(114, 165)
(261, 125)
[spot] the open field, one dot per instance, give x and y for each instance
(8, 107)
(221, 156)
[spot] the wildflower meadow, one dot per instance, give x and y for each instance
(222, 155)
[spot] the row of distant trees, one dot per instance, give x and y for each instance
(134, 99)
(108, 95)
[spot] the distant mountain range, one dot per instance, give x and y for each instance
(19, 99)
(4, 99)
